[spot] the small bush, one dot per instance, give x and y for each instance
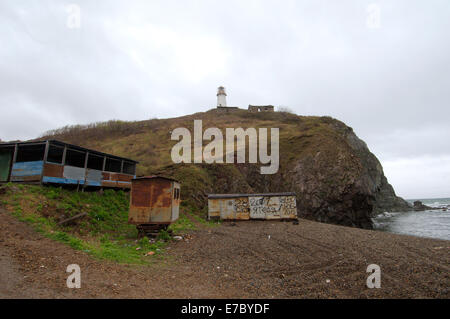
(164, 235)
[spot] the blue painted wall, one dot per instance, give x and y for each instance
(61, 180)
(72, 175)
(27, 169)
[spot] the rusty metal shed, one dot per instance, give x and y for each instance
(155, 201)
(252, 206)
(55, 162)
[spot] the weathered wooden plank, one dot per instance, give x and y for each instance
(33, 178)
(71, 219)
(53, 170)
(27, 168)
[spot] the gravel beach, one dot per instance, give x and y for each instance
(246, 260)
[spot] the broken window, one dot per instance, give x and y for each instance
(30, 153)
(95, 162)
(128, 168)
(55, 154)
(113, 165)
(75, 158)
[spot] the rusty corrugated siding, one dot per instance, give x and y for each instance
(140, 194)
(109, 184)
(120, 177)
(60, 174)
(53, 170)
(25, 178)
(152, 201)
(116, 180)
(175, 201)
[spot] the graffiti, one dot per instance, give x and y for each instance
(266, 207)
(257, 207)
(241, 205)
(250, 206)
(288, 206)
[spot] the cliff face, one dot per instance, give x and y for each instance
(377, 184)
(335, 176)
(337, 181)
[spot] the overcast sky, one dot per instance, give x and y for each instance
(382, 67)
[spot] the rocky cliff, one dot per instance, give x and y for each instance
(335, 176)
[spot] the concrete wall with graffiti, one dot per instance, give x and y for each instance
(252, 206)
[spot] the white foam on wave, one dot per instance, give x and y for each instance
(386, 215)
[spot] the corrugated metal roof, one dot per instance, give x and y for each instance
(212, 196)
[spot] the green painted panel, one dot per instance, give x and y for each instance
(5, 165)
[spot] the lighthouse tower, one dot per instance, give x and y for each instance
(221, 96)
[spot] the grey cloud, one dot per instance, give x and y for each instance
(140, 59)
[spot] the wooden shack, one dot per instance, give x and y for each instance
(154, 203)
(252, 206)
(58, 163)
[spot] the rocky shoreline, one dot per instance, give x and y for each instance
(419, 206)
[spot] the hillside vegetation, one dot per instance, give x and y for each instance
(104, 232)
(336, 178)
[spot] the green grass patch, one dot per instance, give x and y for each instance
(104, 233)
(202, 220)
(182, 224)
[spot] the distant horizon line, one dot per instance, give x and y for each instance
(427, 198)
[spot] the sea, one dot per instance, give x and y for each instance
(429, 223)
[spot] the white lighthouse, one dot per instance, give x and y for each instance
(221, 96)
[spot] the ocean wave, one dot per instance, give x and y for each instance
(432, 223)
(386, 215)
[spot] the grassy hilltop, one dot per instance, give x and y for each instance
(334, 175)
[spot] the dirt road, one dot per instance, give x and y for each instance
(252, 259)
